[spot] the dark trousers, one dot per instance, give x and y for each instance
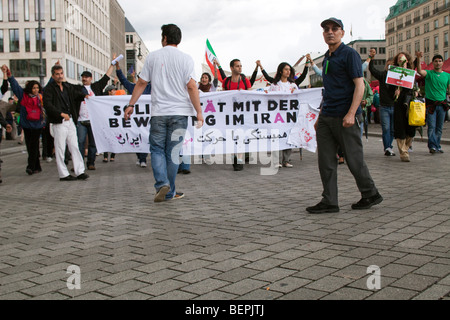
(330, 135)
(48, 143)
(32, 141)
(402, 129)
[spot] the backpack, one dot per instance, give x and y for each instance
(34, 110)
(227, 83)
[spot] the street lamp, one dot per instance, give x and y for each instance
(139, 50)
(41, 61)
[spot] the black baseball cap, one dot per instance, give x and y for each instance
(86, 74)
(332, 20)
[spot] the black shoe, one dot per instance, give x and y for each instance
(366, 203)
(68, 178)
(83, 176)
(238, 167)
(322, 208)
(432, 151)
(29, 171)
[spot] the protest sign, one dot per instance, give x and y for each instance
(235, 122)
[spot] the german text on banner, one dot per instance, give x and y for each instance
(235, 122)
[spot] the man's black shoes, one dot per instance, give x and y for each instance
(83, 176)
(68, 178)
(322, 208)
(367, 203)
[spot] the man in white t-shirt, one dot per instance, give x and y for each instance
(84, 128)
(174, 98)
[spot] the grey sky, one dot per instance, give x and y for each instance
(269, 30)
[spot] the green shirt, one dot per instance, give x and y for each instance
(436, 85)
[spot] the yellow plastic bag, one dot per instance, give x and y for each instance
(416, 113)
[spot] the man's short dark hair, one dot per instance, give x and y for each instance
(55, 68)
(233, 61)
(172, 32)
(438, 56)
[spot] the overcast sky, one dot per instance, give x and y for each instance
(272, 31)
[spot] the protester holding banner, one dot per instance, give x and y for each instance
(437, 83)
(174, 98)
(237, 81)
(206, 84)
(339, 122)
(141, 157)
(284, 82)
(60, 103)
(84, 129)
(403, 132)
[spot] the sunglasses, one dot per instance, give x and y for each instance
(334, 29)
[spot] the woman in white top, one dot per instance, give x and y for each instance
(284, 82)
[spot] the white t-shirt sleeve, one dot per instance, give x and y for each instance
(190, 70)
(146, 70)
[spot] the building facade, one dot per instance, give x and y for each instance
(76, 33)
(419, 25)
(136, 49)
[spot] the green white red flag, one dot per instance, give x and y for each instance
(210, 57)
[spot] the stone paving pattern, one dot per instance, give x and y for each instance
(236, 235)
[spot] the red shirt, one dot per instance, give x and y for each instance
(236, 85)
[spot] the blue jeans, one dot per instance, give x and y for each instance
(166, 141)
(435, 122)
(387, 126)
(84, 131)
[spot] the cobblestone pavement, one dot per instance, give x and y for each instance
(236, 235)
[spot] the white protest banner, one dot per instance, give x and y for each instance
(401, 77)
(235, 122)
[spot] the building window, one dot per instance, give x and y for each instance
(363, 50)
(2, 49)
(446, 40)
(426, 45)
(445, 55)
(426, 27)
(70, 69)
(1, 10)
(436, 43)
(26, 68)
(26, 10)
(382, 50)
(436, 24)
(36, 8)
(27, 40)
(53, 10)
(14, 40)
(54, 40)
(43, 40)
(417, 46)
(417, 31)
(446, 21)
(13, 10)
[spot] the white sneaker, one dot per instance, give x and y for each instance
(138, 163)
(49, 159)
(143, 165)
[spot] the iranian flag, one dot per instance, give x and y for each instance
(401, 77)
(210, 57)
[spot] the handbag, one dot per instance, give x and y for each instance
(416, 113)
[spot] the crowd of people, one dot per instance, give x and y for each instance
(59, 115)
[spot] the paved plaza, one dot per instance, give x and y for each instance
(235, 236)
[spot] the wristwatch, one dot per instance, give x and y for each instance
(130, 105)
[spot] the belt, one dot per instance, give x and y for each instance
(85, 123)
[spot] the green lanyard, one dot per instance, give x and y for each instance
(326, 67)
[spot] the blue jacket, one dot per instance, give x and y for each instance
(129, 85)
(24, 122)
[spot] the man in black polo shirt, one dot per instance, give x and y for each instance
(339, 122)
